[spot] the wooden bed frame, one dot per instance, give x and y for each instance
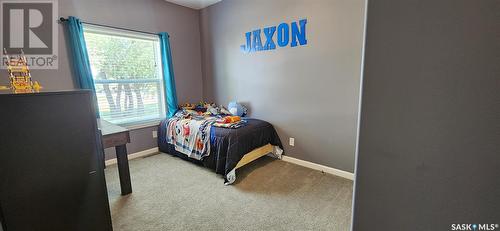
(255, 154)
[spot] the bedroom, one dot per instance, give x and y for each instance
(293, 70)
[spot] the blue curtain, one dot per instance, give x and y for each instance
(168, 74)
(80, 57)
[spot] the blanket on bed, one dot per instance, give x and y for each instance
(190, 136)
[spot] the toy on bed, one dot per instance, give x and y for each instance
(237, 109)
(187, 106)
(203, 109)
(230, 122)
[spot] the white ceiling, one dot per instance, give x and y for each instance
(195, 4)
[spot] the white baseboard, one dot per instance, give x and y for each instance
(136, 155)
(319, 167)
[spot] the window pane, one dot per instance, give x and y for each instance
(127, 75)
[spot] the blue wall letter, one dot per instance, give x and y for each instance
(283, 34)
(269, 32)
(300, 35)
(257, 42)
(246, 48)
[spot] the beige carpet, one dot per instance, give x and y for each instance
(173, 194)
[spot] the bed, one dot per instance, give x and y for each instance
(230, 148)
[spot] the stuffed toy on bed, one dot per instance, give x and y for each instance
(237, 109)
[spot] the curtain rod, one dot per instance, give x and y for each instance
(61, 19)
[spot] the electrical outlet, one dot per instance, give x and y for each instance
(155, 134)
(292, 141)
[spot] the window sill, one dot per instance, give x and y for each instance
(138, 126)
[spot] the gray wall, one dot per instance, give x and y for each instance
(430, 133)
(309, 92)
(148, 15)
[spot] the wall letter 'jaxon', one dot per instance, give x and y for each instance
(276, 36)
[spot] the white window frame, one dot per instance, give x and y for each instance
(144, 36)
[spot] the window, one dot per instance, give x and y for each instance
(126, 67)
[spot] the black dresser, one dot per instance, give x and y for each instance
(51, 172)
